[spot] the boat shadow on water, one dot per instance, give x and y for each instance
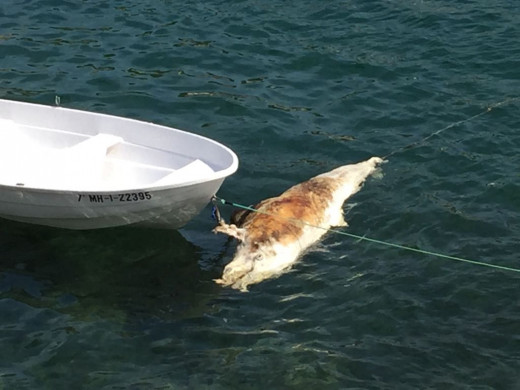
(114, 273)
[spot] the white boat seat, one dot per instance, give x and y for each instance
(77, 167)
(87, 160)
(194, 171)
(98, 144)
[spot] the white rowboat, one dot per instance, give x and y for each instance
(82, 170)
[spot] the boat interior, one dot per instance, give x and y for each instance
(45, 158)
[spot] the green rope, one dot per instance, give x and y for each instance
(380, 242)
(454, 124)
(389, 244)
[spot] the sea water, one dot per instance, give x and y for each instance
(295, 88)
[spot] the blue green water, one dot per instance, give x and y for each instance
(295, 88)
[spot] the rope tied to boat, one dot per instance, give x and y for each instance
(216, 215)
(215, 212)
(216, 200)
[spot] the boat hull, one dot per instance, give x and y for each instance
(81, 170)
(169, 208)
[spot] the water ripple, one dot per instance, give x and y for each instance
(295, 88)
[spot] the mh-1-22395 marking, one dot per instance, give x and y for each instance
(109, 198)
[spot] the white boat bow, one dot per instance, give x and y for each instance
(83, 170)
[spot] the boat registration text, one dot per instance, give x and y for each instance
(107, 198)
